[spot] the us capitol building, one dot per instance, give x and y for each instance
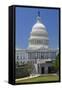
(38, 51)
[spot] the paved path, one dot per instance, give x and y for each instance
(27, 77)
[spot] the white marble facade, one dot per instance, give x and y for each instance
(40, 58)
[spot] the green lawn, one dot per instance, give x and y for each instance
(40, 79)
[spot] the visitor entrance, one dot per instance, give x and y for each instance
(42, 70)
(49, 69)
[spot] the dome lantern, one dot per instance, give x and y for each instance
(38, 17)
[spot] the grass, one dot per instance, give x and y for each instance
(40, 79)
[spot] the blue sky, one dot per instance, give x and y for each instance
(26, 18)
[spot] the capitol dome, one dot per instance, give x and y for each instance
(38, 36)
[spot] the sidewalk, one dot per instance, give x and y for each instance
(27, 77)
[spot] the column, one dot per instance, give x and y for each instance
(39, 69)
(46, 69)
(36, 68)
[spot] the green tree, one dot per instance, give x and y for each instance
(29, 67)
(56, 63)
(17, 63)
(24, 70)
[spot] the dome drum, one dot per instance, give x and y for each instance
(39, 42)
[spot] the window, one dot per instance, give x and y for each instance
(17, 57)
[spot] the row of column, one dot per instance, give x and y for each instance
(41, 55)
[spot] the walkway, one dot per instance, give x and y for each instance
(31, 76)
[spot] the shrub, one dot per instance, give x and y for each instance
(21, 72)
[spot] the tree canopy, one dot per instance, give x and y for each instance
(56, 63)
